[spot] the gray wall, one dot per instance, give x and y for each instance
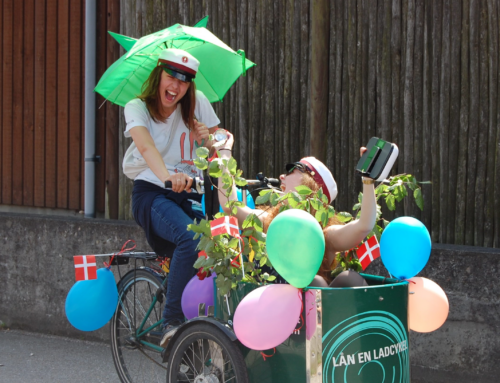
(36, 273)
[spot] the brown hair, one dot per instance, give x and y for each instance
(307, 180)
(151, 96)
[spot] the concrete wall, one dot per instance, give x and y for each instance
(36, 273)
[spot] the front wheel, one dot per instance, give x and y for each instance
(204, 354)
(136, 352)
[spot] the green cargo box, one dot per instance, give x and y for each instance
(351, 335)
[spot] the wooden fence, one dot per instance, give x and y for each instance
(420, 73)
(41, 103)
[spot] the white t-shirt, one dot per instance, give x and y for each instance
(179, 158)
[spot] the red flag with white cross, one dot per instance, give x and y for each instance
(368, 251)
(225, 225)
(85, 267)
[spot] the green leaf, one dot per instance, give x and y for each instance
(262, 199)
(232, 166)
(344, 216)
(200, 163)
(419, 200)
(271, 278)
(274, 199)
(199, 262)
(213, 169)
(391, 202)
(202, 152)
(303, 190)
(356, 207)
(400, 192)
(240, 181)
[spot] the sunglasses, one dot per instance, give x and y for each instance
(303, 168)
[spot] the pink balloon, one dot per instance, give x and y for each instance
(428, 305)
(267, 316)
(196, 292)
(311, 313)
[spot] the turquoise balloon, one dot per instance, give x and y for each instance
(250, 201)
(405, 247)
(295, 246)
(91, 304)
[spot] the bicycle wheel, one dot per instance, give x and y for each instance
(137, 359)
(204, 354)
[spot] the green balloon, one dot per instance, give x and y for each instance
(295, 246)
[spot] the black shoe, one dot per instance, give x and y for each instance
(168, 332)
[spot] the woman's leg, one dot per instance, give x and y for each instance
(170, 222)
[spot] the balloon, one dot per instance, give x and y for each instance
(405, 247)
(295, 246)
(349, 278)
(250, 201)
(267, 316)
(197, 291)
(428, 306)
(91, 304)
(311, 313)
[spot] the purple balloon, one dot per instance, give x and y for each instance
(197, 292)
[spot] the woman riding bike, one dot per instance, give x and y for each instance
(162, 123)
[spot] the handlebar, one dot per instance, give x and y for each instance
(261, 181)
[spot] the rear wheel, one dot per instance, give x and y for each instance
(138, 359)
(204, 354)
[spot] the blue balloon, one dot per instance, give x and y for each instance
(405, 247)
(250, 201)
(91, 304)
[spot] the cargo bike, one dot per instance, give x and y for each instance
(351, 335)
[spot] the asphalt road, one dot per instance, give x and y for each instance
(35, 358)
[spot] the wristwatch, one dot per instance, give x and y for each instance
(368, 181)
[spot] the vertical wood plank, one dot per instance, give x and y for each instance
(492, 122)
(51, 86)
(427, 115)
(1, 93)
(330, 128)
(17, 104)
(444, 122)
(437, 12)
(473, 121)
(62, 102)
(454, 119)
(496, 242)
(461, 190)
(28, 103)
(408, 95)
(396, 70)
(418, 81)
(7, 102)
(39, 107)
(483, 126)
(75, 106)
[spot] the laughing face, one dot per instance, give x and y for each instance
(171, 92)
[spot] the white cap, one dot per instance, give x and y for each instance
(179, 64)
(322, 175)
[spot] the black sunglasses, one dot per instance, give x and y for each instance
(303, 168)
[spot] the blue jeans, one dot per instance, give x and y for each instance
(170, 222)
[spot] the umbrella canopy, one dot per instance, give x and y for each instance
(219, 68)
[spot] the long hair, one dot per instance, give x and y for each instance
(307, 180)
(151, 96)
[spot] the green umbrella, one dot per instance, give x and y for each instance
(219, 68)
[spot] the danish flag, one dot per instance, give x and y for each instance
(368, 251)
(85, 267)
(225, 225)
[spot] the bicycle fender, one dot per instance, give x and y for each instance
(212, 321)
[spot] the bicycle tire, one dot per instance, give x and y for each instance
(204, 353)
(135, 362)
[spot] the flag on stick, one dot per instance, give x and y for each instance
(368, 251)
(85, 267)
(225, 225)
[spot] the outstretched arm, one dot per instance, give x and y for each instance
(345, 237)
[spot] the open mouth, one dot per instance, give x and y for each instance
(170, 96)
